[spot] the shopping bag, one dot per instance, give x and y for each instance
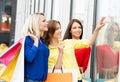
(86, 80)
(107, 80)
(7, 56)
(8, 73)
(18, 75)
(2, 68)
(59, 77)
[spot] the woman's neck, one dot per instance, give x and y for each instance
(75, 38)
(54, 42)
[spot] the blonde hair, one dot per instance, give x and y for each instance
(32, 25)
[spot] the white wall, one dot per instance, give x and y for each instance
(23, 9)
(61, 12)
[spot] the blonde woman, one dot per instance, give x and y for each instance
(36, 51)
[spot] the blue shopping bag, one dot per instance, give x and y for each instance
(86, 80)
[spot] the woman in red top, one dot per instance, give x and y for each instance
(75, 31)
(108, 52)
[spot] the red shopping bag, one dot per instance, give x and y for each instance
(7, 56)
(82, 56)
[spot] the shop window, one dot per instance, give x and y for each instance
(5, 21)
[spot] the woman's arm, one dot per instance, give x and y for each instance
(31, 48)
(95, 33)
(35, 39)
(59, 60)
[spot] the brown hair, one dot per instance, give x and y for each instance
(67, 34)
(39, 14)
(51, 30)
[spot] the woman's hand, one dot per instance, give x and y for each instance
(101, 23)
(95, 33)
(59, 60)
(61, 49)
(81, 70)
(35, 38)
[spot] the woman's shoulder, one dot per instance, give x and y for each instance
(78, 43)
(67, 41)
(28, 39)
(116, 45)
(74, 40)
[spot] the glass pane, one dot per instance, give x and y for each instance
(108, 42)
(108, 51)
(5, 21)
(5, 16)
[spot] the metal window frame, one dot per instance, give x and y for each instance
(93, 56)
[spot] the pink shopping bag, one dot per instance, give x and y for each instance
(8, 55)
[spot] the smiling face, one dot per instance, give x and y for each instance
(76, 30)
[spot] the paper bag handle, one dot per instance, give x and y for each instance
(54, 69)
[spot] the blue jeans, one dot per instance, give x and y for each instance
(30, 80)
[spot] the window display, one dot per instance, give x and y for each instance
(5, 21)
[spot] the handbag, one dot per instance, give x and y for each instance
(59, 77)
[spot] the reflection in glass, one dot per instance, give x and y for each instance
(5, 21)
(107, 52)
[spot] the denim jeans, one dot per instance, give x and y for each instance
(30, 80)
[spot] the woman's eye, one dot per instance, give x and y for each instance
(44, 20)
(74, 27)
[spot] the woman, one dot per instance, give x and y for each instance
(52, 40)
(67, 60)
(75, 31)
(108, 52)
(35, 50)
